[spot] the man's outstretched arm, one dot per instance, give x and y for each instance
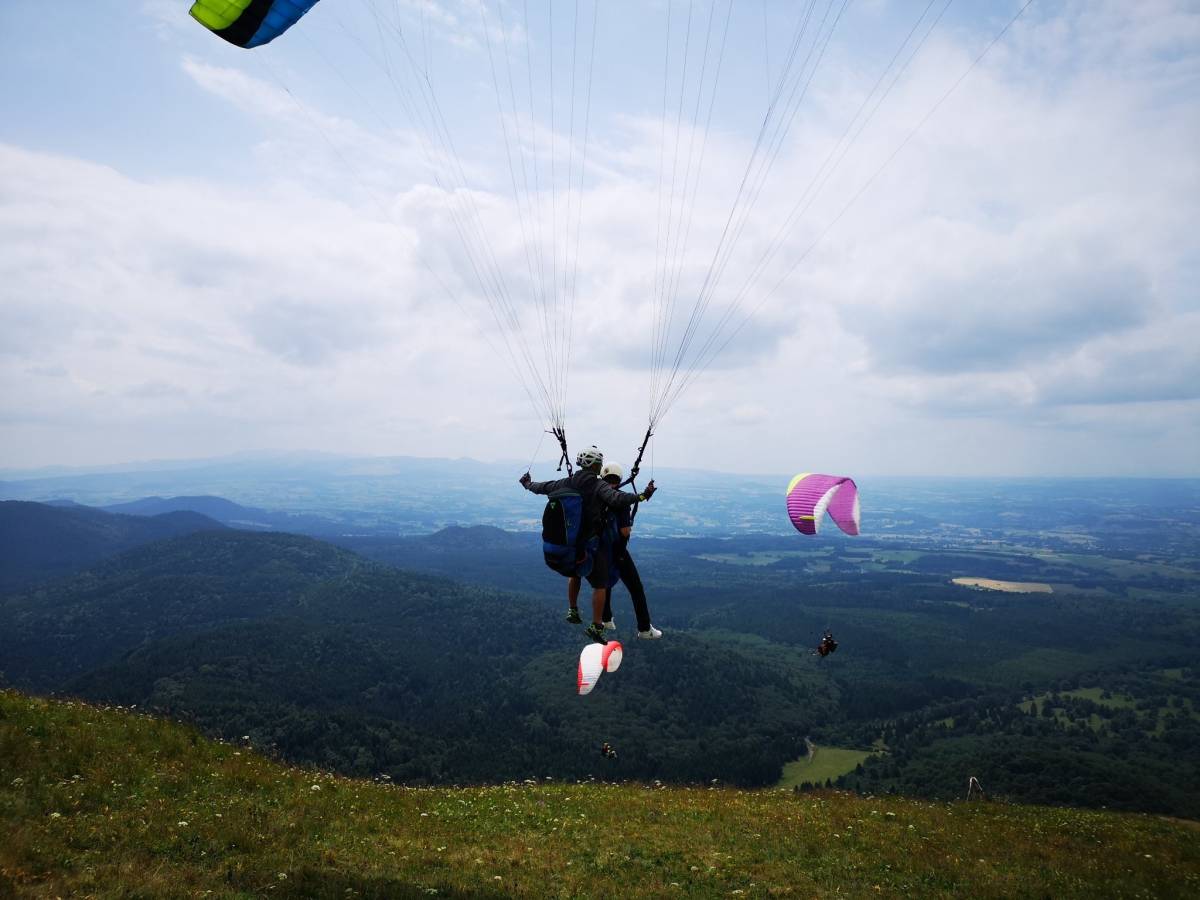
(543, 487)
(615, 499)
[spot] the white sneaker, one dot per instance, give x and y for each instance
(653, 634)
(609, 625)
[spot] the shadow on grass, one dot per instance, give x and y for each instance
(310, 883)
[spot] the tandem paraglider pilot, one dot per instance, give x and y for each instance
(624, 569)
(572, 525)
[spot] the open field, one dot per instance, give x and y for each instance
(1123, 569)
(1096, 695)
(824, 763)
(763, 557)
(1152, 718)
(1010, 587)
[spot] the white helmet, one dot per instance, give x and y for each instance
(612, 469)
(589, 457)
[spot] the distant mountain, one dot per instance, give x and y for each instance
(214, 507)
(479, 554)
(329, 496)
(39, 541)
(339, 661)
(235, 515)
(478, 537)
(337, 496)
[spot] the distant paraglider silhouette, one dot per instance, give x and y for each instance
(828, 645)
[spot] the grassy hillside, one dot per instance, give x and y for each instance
(109, 803)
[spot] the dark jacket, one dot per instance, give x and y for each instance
(598, 495)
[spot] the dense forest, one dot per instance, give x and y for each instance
(1084, 695)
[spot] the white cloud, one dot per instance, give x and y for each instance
(1016, 286)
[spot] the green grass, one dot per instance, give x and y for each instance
(108, 803)
(824, 763)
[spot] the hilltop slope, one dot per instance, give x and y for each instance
(110, 803)
(40, 541)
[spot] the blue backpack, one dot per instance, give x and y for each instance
(566, 545)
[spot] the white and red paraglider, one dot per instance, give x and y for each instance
(594, 661)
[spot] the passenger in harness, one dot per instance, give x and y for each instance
(572, 526)
(626, 571)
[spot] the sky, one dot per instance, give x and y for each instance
(432, 227)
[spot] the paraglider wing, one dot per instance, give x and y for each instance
(249, 23)
(594, 661)
(810, 495)
(612, 656)
(591, 666)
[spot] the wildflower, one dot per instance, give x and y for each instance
(56, 815)
(283, 876)
(182, 824)
(316, 787)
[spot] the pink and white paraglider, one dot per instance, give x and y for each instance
(595, 660)
(810, 496)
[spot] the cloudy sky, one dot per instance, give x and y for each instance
(206, 250)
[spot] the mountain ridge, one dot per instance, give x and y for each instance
(40, 541)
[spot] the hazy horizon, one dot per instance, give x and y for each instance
(544, 469)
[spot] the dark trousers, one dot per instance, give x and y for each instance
(637, 593)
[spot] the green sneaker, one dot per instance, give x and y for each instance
(596, 633)
(573, 616)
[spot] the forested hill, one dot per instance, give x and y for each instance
(106, 803)
(40, 541)
(1081, 687)
(339, 661)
